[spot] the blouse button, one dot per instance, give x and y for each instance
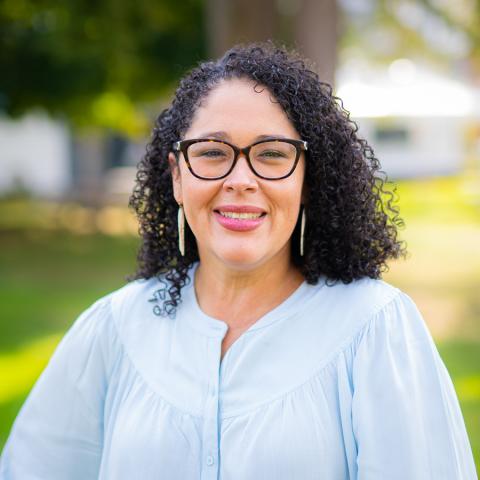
(209, 460)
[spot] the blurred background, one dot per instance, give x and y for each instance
(81, 83)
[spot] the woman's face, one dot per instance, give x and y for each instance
(236, 112)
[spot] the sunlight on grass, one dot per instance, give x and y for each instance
(113, 220)
(20, 369)
(468, 388)
(449, 200)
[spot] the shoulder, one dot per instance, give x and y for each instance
(122, 319)
(337, 315)
(137, 292)
(355, 302)
(366, 314)
(365, 293)
(373, 311)
(137, 301)
(118, 311)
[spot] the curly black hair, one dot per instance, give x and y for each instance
(351, 220)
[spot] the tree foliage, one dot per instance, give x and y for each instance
(73, 56)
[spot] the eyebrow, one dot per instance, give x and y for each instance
(221, 135)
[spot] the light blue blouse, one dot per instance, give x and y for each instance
(338, 382)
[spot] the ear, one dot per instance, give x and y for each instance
(176, 178)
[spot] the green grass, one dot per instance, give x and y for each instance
(48, 277)
(54, 264)
(462, 361)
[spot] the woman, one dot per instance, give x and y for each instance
(258, 341)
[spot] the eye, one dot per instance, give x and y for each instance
(211, 153)
(272, 154)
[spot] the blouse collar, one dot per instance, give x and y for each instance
(214, 327)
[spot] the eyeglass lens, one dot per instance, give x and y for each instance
(273, 159)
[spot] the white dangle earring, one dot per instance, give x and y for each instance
(302, 232)
(181, 230)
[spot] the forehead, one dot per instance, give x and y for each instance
(242, 109)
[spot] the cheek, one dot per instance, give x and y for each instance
(288, 204)
(197, 199)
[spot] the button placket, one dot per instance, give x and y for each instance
(210, 460)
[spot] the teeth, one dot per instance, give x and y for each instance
(239, 215)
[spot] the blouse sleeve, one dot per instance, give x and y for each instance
(58, 433)
(406, 417)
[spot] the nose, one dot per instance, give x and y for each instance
(241, 178)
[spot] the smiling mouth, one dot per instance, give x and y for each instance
(241, 215)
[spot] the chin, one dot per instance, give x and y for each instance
(241, 258)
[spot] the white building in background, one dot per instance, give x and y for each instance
(35, 155)
(416, 122)
(39, 155)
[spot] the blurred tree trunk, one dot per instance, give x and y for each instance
(233, 21)
(312, 27)
(316, 34)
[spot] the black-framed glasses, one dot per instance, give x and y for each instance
(212, 159)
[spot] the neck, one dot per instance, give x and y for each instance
(239, 297)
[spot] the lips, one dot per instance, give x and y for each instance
(240, 218)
